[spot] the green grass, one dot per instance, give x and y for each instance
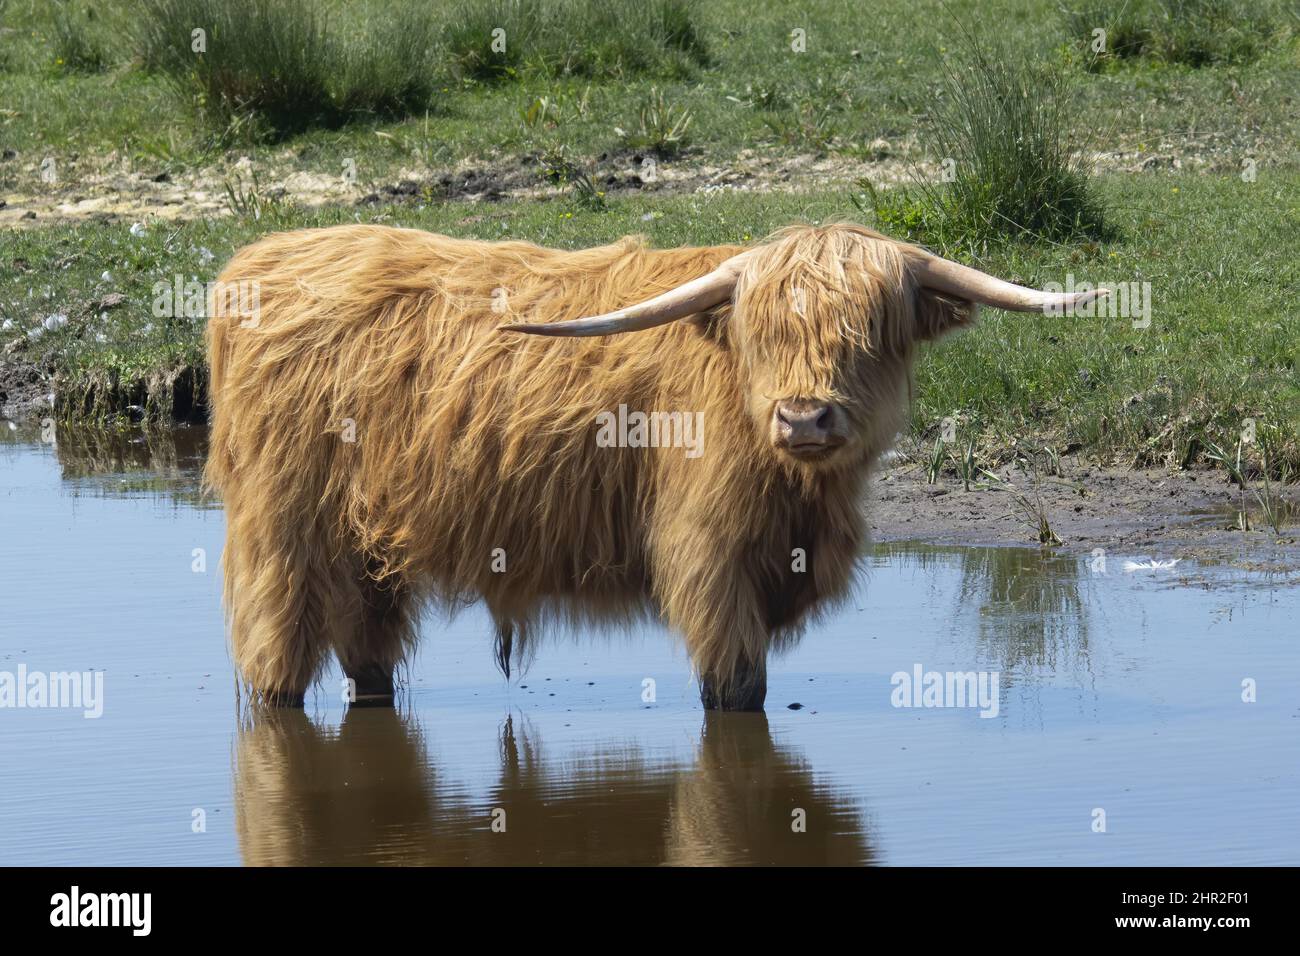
(495, 40)
(1193, 33)
(1222, 345)
(407, 90)
(81, 40)
(269, 68)
(870, 72)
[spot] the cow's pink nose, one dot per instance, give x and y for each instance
(804, 422)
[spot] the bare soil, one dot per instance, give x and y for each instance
(105, 189)
(25, 390)
(1132, 514)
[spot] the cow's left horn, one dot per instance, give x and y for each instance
(686, 299)
(953, 278)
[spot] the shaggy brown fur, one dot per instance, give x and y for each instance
(468, 440)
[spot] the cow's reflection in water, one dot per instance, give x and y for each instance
(367, 793)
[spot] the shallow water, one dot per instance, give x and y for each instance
(1119, 692)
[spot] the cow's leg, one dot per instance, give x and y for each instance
(280, 589)
(745, 690)
(377, 642)
(706, 594)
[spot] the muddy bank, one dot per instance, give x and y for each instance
(1130, 513)
(31, 389)
(26, 389)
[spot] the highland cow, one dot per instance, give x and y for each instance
(383, 435)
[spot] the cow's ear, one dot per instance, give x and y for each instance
(712, 323)
(938, 314)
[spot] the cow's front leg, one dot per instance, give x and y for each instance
(706, 593)
(746, 691)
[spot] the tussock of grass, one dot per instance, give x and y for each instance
(1275, 511)
(1126, 31)
(1193, 33)
(1029, 507)
(390, 68)
(272, 59)
(489, 40)
(663, 126)
(81, 41)
(276, 67)
(1011, 157)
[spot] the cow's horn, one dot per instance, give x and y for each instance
(955, 279)
(686, 299)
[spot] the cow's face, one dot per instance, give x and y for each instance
(824, 322)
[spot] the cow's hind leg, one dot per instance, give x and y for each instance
(381, 634)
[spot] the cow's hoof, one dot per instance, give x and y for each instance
(747, 697)
(372, 700)
(373, 687)
(282, 699)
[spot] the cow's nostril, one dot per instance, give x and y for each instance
(805, 422)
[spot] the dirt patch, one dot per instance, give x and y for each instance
(75, 190)
(26, 391)
(1220, 153)
(1161, 515)
(534, 176)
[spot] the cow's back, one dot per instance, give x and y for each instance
(374, 393)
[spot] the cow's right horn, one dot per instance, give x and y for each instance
(955, 279)
(686, 299)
